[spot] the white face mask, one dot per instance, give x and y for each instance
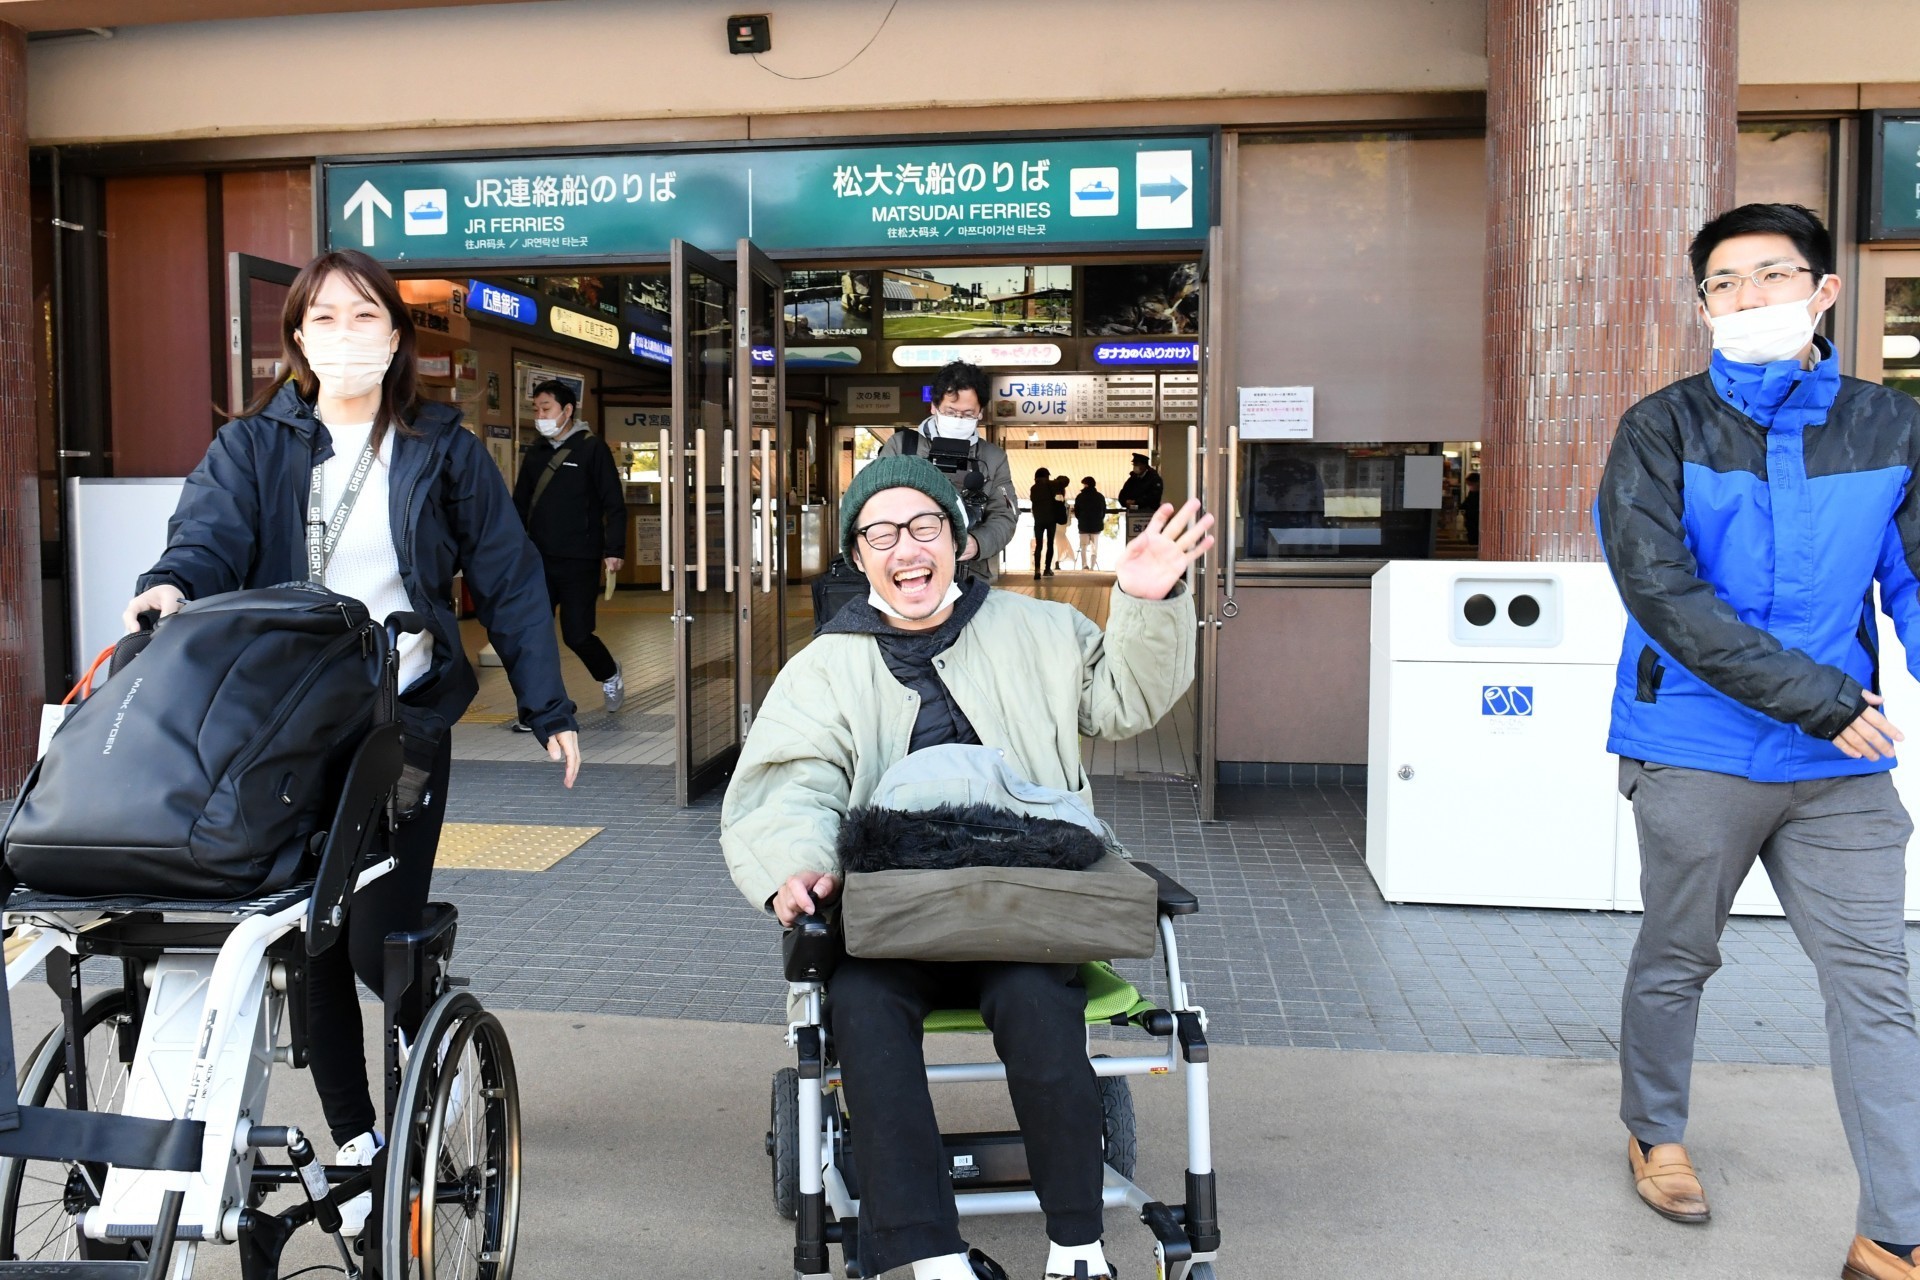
(879, 602)
(1762, 335)
(548, 427)
(948, 427)
(348, 363)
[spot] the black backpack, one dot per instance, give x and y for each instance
(202, 769)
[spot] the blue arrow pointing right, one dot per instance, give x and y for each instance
(1172, 189)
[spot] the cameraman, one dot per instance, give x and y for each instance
(950, 438)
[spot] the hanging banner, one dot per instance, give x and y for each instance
(953, 195)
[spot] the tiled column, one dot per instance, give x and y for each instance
(1610, 139)
(21, 675)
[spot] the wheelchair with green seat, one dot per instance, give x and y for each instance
(143, 1133)
(814, 1181)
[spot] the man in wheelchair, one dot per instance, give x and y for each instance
(926, 663)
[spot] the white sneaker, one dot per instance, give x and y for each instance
(457, 1096)
(358, 1153)
(615, 689)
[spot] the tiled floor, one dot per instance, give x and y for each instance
(1293, 946)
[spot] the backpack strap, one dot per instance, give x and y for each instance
(559, 459)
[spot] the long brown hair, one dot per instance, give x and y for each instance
(398, 395)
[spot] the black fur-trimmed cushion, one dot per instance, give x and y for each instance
(953, 836)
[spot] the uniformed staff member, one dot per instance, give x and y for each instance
(960, 392)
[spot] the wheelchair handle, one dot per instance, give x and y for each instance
(812, 947)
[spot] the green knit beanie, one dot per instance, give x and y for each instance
(899, 471)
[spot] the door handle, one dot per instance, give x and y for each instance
(1230, 608)
(700, 509)
(1193, 491)
(666, 509)
(726, 500)
(769, 496)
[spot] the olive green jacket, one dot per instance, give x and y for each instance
(1032, 676)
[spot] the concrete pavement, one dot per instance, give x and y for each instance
(644, 1158)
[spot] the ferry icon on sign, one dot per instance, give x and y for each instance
(426, 212)
(1094, 193)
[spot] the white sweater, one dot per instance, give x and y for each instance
(365, 565)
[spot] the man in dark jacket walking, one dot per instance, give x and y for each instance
(569, 496)
(1746, 513)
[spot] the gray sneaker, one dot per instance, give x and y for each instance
(615, 690)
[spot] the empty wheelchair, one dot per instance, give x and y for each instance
(144, 1131)
(816, 1185)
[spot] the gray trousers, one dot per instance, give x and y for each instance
(1835, 850)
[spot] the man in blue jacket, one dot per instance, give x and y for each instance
(1747, 513)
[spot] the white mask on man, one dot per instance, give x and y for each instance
(350, 362)
(948, 427)
(548, 427)
(1762, 335)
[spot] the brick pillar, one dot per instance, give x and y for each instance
(22, 676)
(1610, 139)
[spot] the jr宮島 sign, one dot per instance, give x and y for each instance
(946, 196)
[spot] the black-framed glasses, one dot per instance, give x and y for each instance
(1725, 284)
(882, 534)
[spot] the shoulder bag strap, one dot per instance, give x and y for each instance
(560, 456)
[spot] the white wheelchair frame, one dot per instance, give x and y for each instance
(1186, 1236)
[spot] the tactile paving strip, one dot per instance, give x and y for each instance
(489, 846)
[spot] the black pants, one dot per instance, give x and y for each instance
(1037, 1014)
(574, 588)
(391, 904)
(1043, 547)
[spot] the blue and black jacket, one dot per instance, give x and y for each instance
(241, 523)
(1746, 542)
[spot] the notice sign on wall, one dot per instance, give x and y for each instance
(1276, 413)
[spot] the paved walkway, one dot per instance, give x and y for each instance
(1294, 946)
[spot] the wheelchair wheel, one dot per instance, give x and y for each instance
(1117, 1130)
(783, 1142)
(42, 1197)
(451, 1204)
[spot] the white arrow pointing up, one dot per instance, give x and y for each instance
(366, 200)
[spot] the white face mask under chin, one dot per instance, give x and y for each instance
(875, 599)
(349, 363)
(1762, 335)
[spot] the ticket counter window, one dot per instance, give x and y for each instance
(1353, 501)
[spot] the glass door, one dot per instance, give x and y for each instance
(1889, 312)
(760, 394)
(1212, 459)
(697, 491)
(257, 289)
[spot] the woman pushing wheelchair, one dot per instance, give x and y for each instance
(998, 689)
(341, 476)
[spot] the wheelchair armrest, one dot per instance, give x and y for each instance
(812, 947)
(1175, 898)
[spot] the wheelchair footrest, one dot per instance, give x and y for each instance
(53, 1269)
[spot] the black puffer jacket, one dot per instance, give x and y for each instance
(241, 523)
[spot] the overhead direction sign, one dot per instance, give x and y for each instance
(949, 195)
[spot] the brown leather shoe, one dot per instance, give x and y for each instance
(1665, 1179)
(1868, 1261)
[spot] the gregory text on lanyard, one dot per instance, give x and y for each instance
(324, 535)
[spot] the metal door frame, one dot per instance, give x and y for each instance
(770, 445)
(242, 268)
(1877, 266)
(690, 778)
